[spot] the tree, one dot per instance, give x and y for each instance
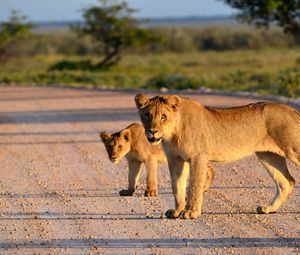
(112, 24)
(285, 13)
(16, 28)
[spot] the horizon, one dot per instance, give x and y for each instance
(191, 17)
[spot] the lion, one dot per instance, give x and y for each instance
(196, 134)
(132, 143)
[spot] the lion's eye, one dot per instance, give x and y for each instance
(148, 116)
(163, 117)
(120, 147)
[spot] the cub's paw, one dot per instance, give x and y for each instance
(151, 193)
(189, 214)
(173, 214)
(126, 192)
(264, 210)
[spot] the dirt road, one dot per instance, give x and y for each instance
(59, 192)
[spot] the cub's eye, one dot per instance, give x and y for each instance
(119, 147)
(163, 117)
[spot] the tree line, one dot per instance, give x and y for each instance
(110, 29)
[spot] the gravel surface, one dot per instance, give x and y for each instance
(59, 191)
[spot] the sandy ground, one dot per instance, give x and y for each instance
(59, 191)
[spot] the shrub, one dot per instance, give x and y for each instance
(172, 81)
(289, 82)
(239, 80)
(84, 65)
(239, 38)
(176, 39)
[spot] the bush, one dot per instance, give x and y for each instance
(233, 81)
(289, 82)
(15, 29)
(84, 65)
(173, 81)
(178, 40)
(64, 43)
(239, 38)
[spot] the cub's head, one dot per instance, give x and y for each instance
(117, 145)
(159, 115)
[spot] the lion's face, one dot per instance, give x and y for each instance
(117, 145)
(158, 115)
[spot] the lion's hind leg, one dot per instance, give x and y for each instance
(277, 168)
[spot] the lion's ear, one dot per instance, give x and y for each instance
(104, 136)
(173, 101)
(126, 134)
(141, 101)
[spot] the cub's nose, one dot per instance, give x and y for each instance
(114, 157)
(153, 131)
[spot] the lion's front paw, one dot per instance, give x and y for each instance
(264, 210)
(173, 214)
(126, 192)
(189, 214)
(151, 193)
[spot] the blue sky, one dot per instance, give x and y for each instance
(57, 10)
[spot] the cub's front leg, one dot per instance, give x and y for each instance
(179, 170)
(151, 165)
(198, 176)
(133, 177)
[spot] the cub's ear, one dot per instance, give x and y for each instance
(173, 101)
(104, 136)
(126, 134)
(141, 101)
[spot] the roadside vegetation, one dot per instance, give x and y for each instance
(239, 58)
(265, 71)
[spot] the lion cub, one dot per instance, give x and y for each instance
(132, 143)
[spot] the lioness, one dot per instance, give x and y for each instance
(132, 142)
(198, 134)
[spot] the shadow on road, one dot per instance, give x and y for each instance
(16, 98)
(53, 133)
(63, 116)
(235, 242)
(51, 142)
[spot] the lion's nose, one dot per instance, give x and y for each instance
(153, 131)
(114, 157)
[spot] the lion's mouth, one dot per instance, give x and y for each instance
(115, 161)
(154, 140)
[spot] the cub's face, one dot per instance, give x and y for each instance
(117, 145)
(159, 115)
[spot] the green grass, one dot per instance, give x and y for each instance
(268, 71)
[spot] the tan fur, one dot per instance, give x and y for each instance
(137, 150)
(197, 134)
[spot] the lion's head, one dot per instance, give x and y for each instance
(158, 115)
(117, 145)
